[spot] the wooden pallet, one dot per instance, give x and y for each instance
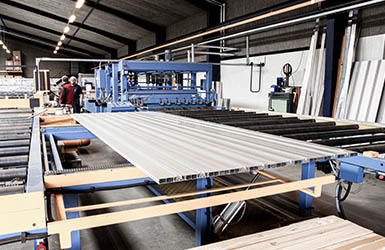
(320, 233)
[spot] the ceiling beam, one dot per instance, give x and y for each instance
(143, 23)
(202, 4)
(43, 45)
(117, 38)
(54, 43)
(54, 32)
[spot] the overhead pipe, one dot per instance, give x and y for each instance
(229, 26)
(278, 25)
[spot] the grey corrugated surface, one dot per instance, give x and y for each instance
(171, 148)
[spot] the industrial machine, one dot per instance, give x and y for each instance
(282, 97)
(135, 85)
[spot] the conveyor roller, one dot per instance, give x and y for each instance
(13, 161)
(14, 151)
(14, 143)
(11, 174)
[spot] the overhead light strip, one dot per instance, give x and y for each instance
(71, 19)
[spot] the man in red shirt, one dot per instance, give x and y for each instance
(67, 93)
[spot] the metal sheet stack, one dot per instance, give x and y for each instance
(171, 148)
(15, 134)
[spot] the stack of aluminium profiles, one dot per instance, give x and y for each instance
(15, 135)
(172, 148)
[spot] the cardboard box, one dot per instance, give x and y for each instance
(17, 56)
(9, 63)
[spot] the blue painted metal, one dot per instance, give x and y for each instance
(114, 85)
(55, 153)
(70, 201)
(352, 168)
(187, 217)
(68, 133)
(204, 215)
(305, 200)
(37, 231)
(110, 184)
(351, 173)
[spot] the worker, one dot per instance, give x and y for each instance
(66, 98)
(78, 94)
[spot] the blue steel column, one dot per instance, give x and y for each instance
(72, 200)
(115, 93)
(305, 200)
(203, 219)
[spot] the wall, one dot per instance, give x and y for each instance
(29, 54)
(236, 79)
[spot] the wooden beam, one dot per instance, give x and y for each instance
(64, 228)
(165, 197)
(60, 210)
(93, 177)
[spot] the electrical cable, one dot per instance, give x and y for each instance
(94, 189)
(23, 238)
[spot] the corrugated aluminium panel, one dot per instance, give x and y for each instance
(171, 148)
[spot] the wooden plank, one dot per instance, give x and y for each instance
(60, 210)
(63, 228)
(293, 229)
(318, 239)
(320, 233)
(22, 212)
(349, 244)
(339, 73)
(379, 244)
(93, 177)
(165, 197)
(14, 103)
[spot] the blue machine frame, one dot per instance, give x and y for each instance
(202, 221)
(351, 169)
(117, 89)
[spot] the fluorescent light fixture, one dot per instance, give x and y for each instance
(55, 52)
(72, 19)
(62, 37)
(60, 43)
(5, 47)
(79, 4)
(66, 29)
(8, 51)
(1, 42)
(57, 48)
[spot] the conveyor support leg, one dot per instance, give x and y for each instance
(203, 219)
(305, 200)
(72, 200)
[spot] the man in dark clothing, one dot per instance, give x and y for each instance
(66, 93)
(78, 94)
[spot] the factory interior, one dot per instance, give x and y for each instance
(192, 124)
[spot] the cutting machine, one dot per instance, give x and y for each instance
(135, 85)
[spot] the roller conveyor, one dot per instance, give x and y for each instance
(347, 135)
(15, 136)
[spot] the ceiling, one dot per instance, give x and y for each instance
(101, 26)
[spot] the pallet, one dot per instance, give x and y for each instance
(320, 233)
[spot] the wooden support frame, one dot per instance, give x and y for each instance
(22, 212)
(65, 227)
(93, 177)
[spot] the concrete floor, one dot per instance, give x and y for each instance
(170, 232)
